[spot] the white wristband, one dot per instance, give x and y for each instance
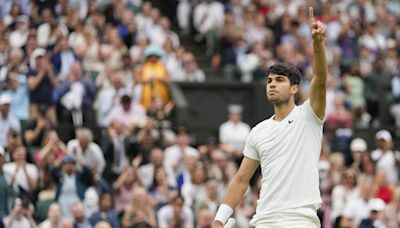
(223, 213)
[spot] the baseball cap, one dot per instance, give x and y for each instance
(5, 99)
(235, 108)
(68, 159)
(376, 204)
(383, 134)
(358, 144)
(38, 52)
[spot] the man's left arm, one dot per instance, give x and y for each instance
(320, 68)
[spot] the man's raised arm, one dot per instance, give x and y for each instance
(320, 68)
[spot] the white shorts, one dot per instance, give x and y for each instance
(290, 224)
(304, 217)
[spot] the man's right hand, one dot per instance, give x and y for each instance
(218, 224)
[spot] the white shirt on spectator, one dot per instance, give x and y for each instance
(23, 223)
(340, 196)
(356, 209)
(166, 215)
(208, 16)
(387, 162)
(5, 125)
(21, 179)
(234, 134)
(93, 155)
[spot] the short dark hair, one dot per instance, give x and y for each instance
(287, 70)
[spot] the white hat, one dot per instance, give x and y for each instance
(235, 108)
(36, 53)
(376, 204)
(358, 144)
(383, 134)
(5, 99)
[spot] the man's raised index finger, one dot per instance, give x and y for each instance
(311, 15)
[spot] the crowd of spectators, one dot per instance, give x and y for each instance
(103, 69)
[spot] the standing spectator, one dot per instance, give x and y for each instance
(233, 133)
(124, 187)
(208, 19)
(155, 77)
(70, 183)
(7, 120)
(41, 82)
(75, 97)
(83, 148)
(37, 127)
(119, 147)
(17, 89)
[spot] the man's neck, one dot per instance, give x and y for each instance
(282, 110)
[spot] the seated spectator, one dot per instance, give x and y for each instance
(204, 218)
(161, 191)
(140, 212)
(385, 157)
(83, 148)
(381, 188)
(5, 192)
(147, 171)
(7, 120)
(106, 211)
(191, 71)
(23, 174)
(79, 216)
(20, 216)
(53, 217)
(127, 112)
(375, 219)
(175, 214)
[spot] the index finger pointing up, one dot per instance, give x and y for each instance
(311, 15)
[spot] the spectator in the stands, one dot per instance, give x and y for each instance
(84, 149)
(7, 120)
(41, 82)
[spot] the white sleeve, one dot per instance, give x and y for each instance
(249, 149)
(311, 114)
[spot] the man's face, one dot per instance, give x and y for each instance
(4, 108)
(279, 89)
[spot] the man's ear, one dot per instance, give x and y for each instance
(294, 89)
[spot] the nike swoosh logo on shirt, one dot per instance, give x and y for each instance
(290, 121)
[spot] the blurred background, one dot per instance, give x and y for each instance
(134, 113)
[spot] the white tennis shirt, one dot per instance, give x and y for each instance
(288, 152)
